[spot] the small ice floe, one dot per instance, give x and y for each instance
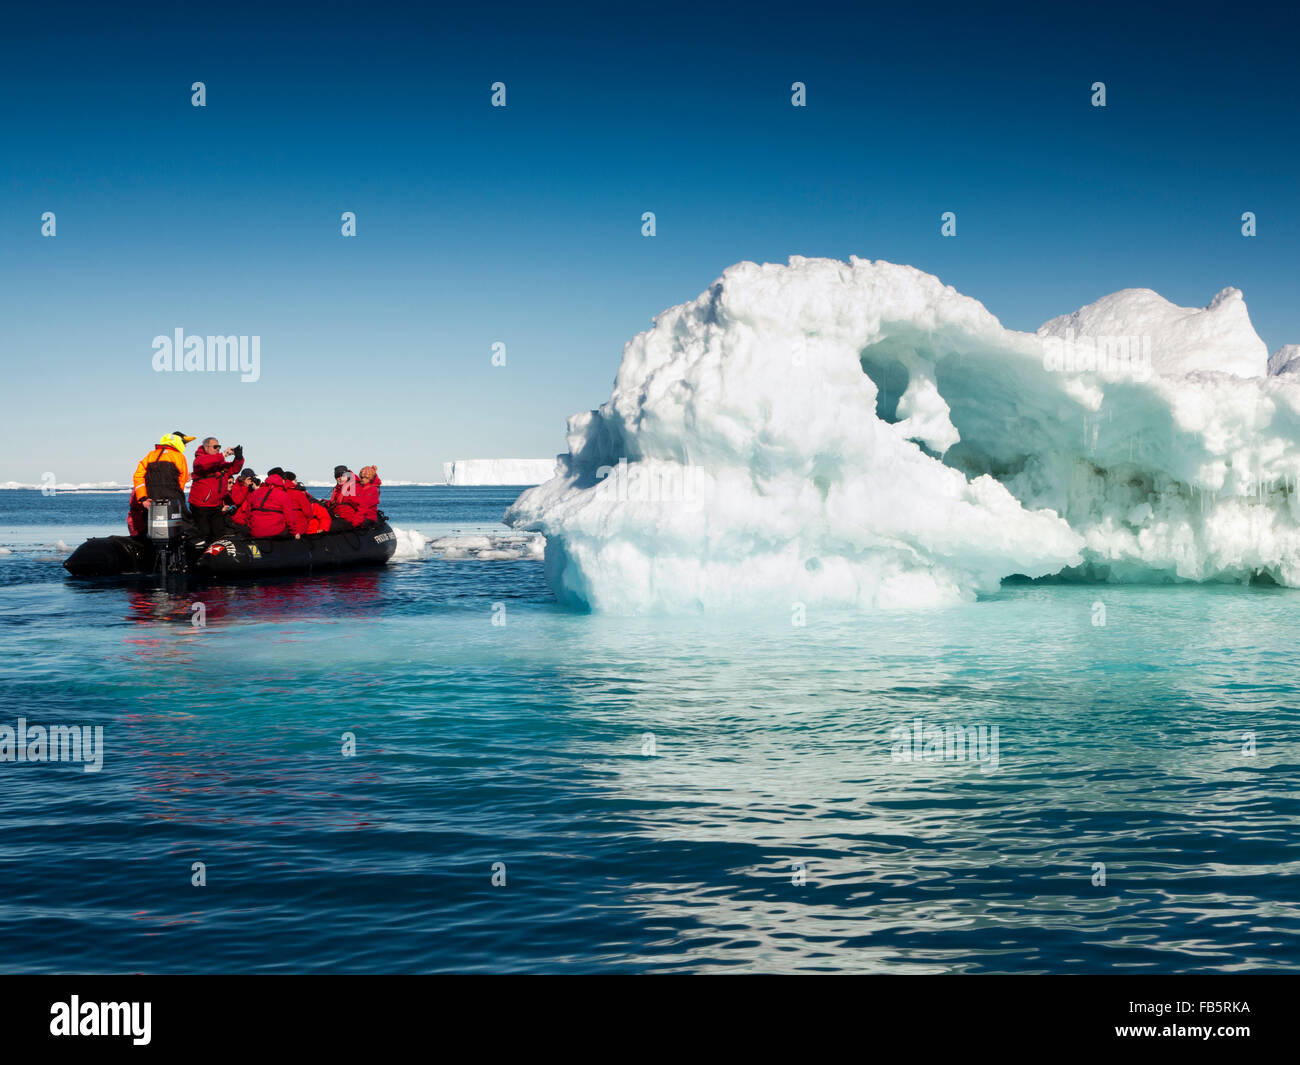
(411, 544)
(505, 547)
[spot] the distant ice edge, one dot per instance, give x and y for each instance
(861, 433)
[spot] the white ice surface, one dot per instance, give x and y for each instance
(498, 471)
(88, 486)
(1285, 360)
(861, 433)
(411, 545)
(489, 545)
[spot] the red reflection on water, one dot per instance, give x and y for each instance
(186, 783)
(351, 593)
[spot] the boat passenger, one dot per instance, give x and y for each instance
(270, 511)
(312, 509)
(245, 483)
(344, 500)
(160, 475)
(368, 484)
(208, 485)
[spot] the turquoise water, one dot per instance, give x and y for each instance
(652, 786)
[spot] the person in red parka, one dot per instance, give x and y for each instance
(344, 500)
(208, 483)
(239, 490)
(314, 512)
(303, 500)
(368, 495)
(271, 510)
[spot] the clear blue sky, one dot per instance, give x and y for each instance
(522, 225)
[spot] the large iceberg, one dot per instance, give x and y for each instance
(497, 471)
(861, 433)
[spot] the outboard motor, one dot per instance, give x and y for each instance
(166, 528)
(164, 522)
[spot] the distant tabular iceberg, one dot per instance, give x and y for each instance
(862, 433)
(498, 471)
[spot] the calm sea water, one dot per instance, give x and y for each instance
(657, 794)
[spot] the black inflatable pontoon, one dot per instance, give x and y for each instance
(112, 556)
(233, 556)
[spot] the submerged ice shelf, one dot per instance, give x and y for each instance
(861, 433)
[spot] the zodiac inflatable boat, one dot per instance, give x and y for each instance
(168, 550)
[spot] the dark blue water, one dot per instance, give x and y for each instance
(658, 794)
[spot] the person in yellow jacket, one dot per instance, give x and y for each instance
(161, 474)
